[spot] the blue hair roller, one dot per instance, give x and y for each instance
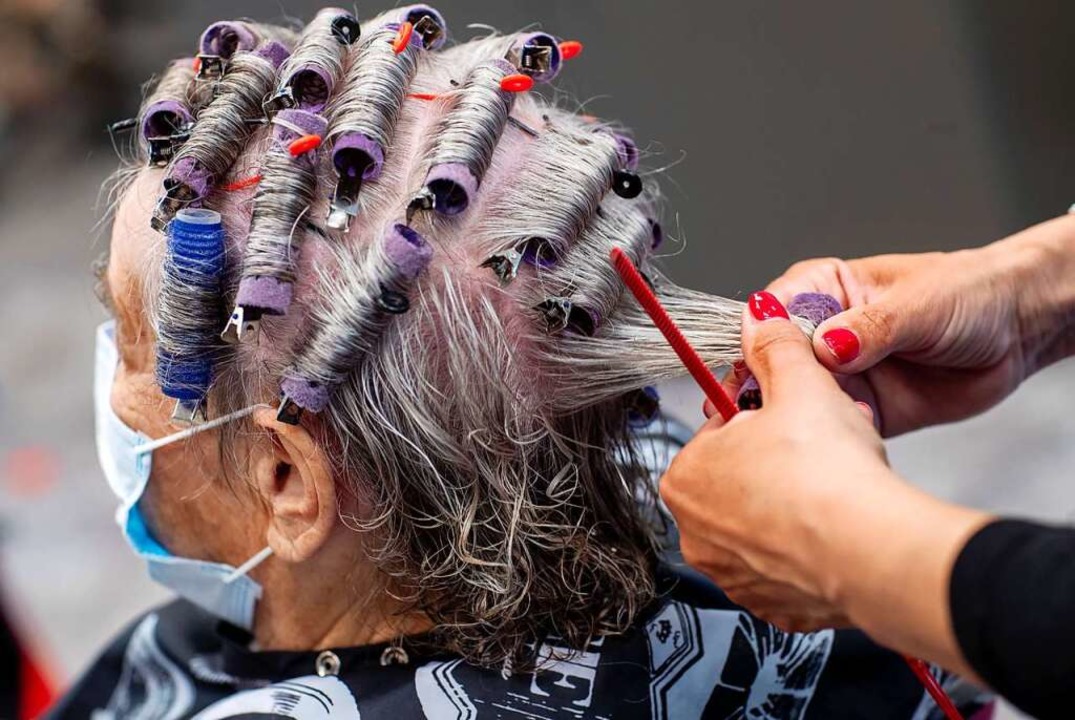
(187, 340)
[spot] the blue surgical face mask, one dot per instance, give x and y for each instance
(125, 455)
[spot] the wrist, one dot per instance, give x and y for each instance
(888, 554)
(1038, 267)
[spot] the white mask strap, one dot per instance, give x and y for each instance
(249, 565)
(192, 431)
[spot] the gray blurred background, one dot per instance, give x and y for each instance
(789, 130)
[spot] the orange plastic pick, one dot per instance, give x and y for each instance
(570, 49)
(304, 144)
(403, 37)
(516, 83)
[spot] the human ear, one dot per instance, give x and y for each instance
(294, 478)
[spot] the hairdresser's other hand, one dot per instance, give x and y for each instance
(938, 337)
(735, 490)
(793, 510)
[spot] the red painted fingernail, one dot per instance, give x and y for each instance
(765, 306)
(843, 343)
(709, 409)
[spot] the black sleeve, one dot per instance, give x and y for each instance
(1012, 598)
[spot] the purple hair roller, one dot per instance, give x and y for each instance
(258, 295)
(450, 187)
(275, 52)
(407, 251)
(356, 158)
(628, 152)
(227, 37)
(658, 234)
(749, 396)
(263, 295)
(186, 185)
(165, 126)
(561, 313)
(538, 55)
(290, 125)
(428, 24)
(815, 307)
(408, 255)
(165, 118)
(219, 43)
(306, 394)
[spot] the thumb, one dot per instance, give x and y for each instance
(859, 338)
(779, 353)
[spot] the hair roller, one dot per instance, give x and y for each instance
(219, 43)
(287, 188)
(309, 76)
(428, 23)
(643, 407)
(813, 307)
(565, 314)
(364, 114)
(221, 132)
(550, 202)
(166, 117)
(537, 55)
(351, 319)
(583, 274)
(466, 138)
(628, 151)
(189, 308)
(625, 180)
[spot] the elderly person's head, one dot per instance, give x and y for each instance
(411, 288)
(373, 392)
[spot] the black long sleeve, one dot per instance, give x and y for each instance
(1012, 598)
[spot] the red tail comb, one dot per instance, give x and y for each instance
(660, 317)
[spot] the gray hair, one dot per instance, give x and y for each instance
(493, 447)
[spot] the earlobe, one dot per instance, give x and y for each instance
(294, 477)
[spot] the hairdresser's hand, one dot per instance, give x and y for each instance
(738, 492)
(939, 337)
(793, 510)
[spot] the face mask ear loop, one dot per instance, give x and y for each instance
(249, 565)
(192, 431)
